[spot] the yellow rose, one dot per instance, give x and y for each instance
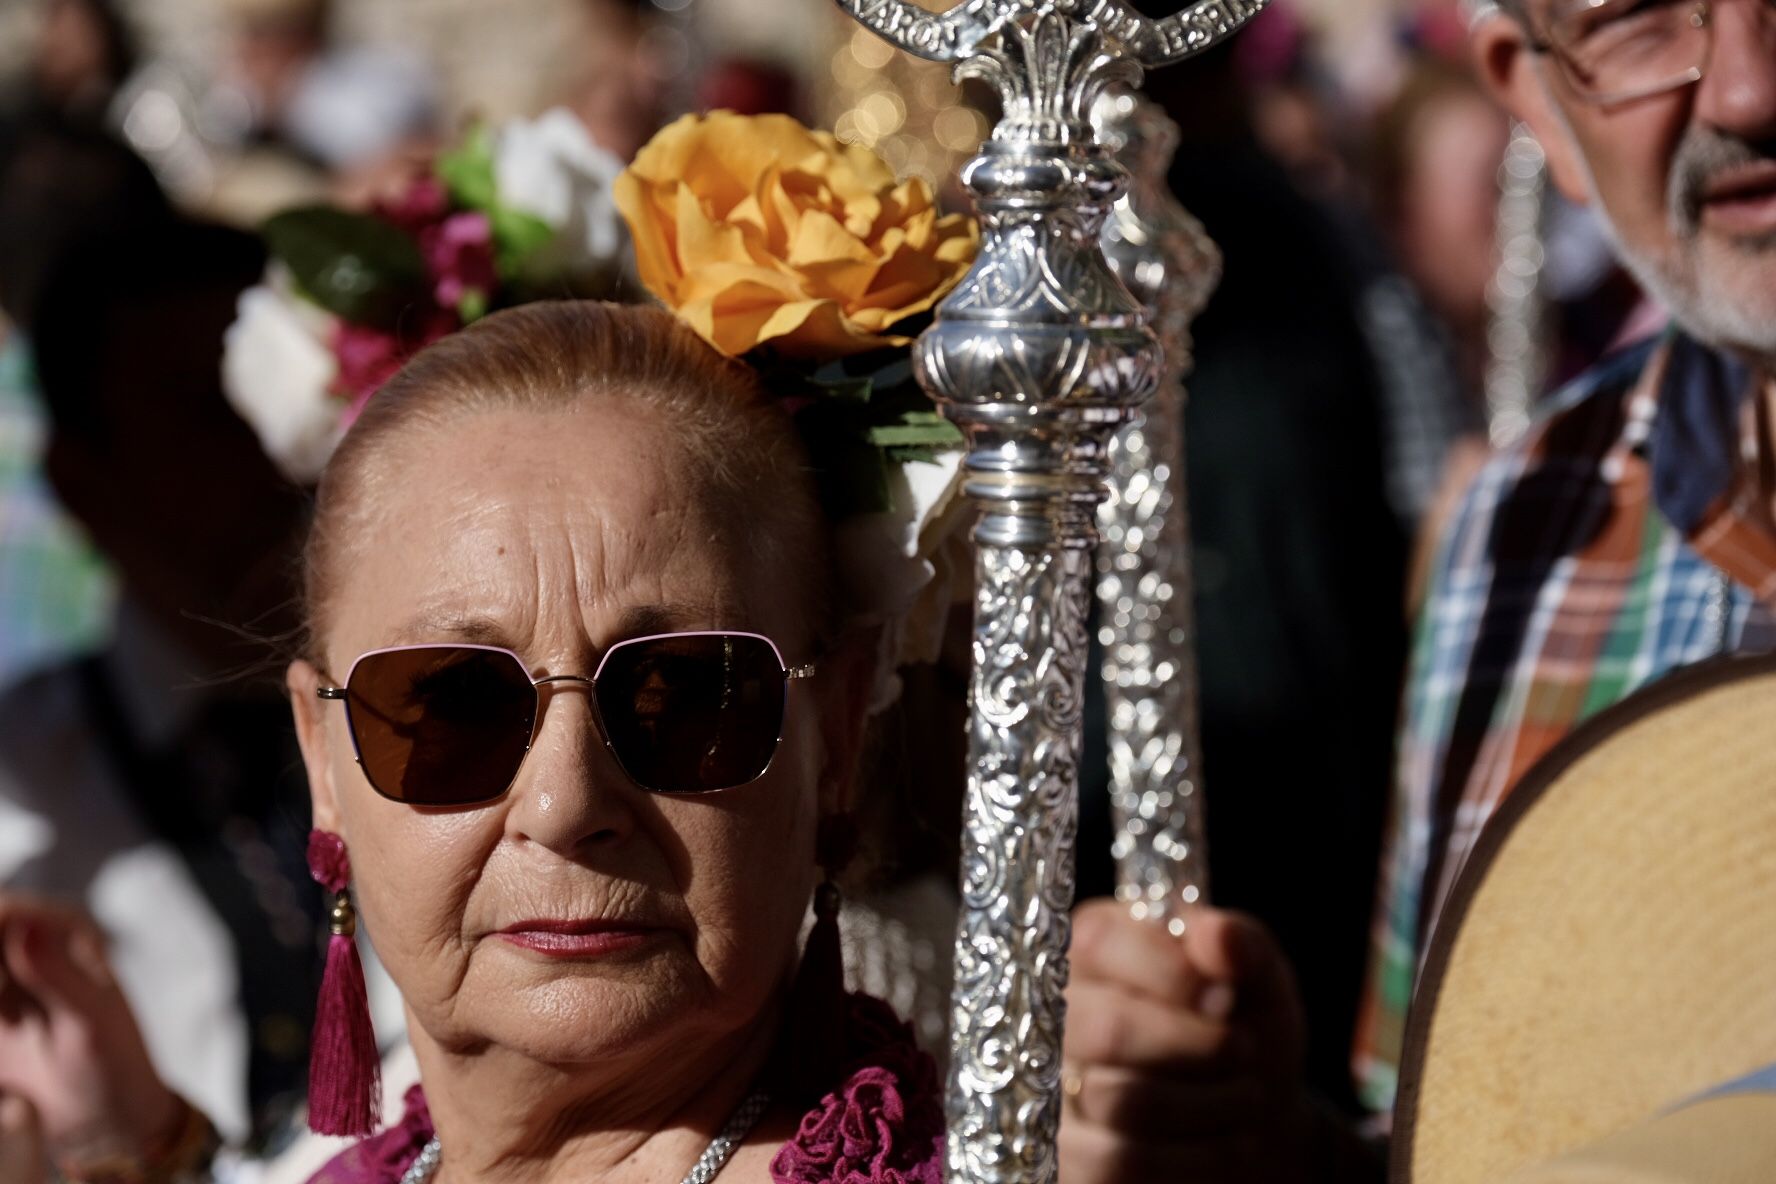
(758, 231)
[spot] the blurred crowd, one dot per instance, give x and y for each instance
(147, 543)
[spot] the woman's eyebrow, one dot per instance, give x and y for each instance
(643, 619)
(433, 625)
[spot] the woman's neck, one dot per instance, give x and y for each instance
(502, 1117)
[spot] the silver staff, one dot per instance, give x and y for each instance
(1146, 618)
(1039, 356)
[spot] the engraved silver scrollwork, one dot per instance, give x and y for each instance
(1019, 820)
(1146, 618)
(1039, 355)
(956, 34)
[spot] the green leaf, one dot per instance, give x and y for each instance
(467, 172)
(357, 267)
(937, 436)
(473, 306)
(517, 236)
(901, 456)
(847, 390)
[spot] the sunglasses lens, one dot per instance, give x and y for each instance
(441, 725)
(692, 713)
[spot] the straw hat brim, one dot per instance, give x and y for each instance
(1609, 949)
(1725, 1140)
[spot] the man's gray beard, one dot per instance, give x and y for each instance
(1715, 317)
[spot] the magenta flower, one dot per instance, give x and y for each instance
(459, 254)
(884, 1123)
(368, 357)
(422, 205)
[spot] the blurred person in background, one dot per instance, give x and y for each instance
(620, 82)
(84, 54)
(1303, 120)
(1437, 151)
(54, 590)
(299, 90)
(1300, 565)
(1294, 110)
(147, 782)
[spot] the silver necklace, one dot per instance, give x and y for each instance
(714, 1158)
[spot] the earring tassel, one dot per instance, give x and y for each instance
(817, 1005)
(344, 1070)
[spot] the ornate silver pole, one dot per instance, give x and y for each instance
(1516, 304)
(1039, 356)
(1146, 618)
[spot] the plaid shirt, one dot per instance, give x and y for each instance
(1625, 537)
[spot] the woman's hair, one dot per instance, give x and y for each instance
(558, 355)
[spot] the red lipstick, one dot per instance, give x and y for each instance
(582, 938)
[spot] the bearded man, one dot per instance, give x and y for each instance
(1634, 530)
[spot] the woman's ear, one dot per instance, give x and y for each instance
(1506, 64)
(303, 681)
(847, 678)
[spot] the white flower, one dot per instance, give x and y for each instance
(277, 370)
(550, 167)
(898, 569)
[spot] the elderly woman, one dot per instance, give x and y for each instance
(582, 727)
(586, 726)
(575, 710)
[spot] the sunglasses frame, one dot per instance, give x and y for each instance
(334, 691)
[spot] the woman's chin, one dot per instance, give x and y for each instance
(563, 1010)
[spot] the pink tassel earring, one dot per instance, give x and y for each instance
(344, 1071)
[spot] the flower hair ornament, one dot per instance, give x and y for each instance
(804, 256)
(508, 216)
(779, 245)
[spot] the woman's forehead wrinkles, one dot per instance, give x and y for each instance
(686, 575)
(495, 553)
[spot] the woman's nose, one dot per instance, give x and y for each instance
(1738, 93)
(570, 792)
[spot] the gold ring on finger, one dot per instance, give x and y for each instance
(1072, 1085)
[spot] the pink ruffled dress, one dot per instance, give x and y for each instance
(883, 1124)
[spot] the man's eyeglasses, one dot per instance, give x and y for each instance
(449, 725)
(1616, 51)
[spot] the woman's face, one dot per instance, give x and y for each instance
(557, 534)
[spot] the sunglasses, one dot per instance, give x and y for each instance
(449, 725)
